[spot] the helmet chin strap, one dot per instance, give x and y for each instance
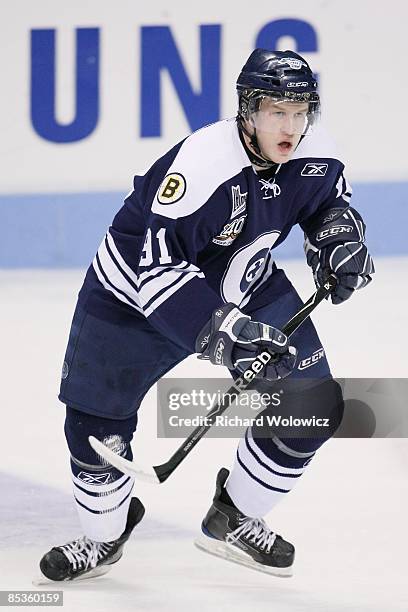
(254, 153)
(267, 163)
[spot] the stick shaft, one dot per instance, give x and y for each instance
(164, 470)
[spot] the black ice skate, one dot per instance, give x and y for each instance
(229, 534)
(84, 558)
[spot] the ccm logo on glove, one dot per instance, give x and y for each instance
(344, 252)
(334, 231)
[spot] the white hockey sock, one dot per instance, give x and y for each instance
(102, 502)
(257, 483)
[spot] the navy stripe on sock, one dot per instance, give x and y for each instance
(261, 482)
(104, 511)
(253, 453)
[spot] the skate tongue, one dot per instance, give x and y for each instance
(226, 499)
(135, 514)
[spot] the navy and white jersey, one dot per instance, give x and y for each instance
(199, 228)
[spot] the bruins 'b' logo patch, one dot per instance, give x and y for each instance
(172, 188)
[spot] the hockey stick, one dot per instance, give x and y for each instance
(159, 473)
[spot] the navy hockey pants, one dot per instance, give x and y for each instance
(110, 366)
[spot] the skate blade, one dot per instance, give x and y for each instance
(94, 573)
(233, 554)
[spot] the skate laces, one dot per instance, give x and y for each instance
(85, 553)
(254, 530)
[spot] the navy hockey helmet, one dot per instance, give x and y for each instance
(282, 75)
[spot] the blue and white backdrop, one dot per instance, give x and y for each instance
(94, 90)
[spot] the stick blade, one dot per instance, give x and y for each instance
(147, 474)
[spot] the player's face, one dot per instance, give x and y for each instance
(279, 127)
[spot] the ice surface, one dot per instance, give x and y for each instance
(347, 516)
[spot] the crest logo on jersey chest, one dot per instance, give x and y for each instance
(239, 201)
(172, 188)
(234, 227)
(248, 266)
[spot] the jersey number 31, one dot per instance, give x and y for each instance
(146, 258)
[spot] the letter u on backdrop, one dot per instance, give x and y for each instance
(43, 89)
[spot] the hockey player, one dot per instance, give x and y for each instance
(187, 267)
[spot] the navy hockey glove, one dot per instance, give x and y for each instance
(232, 339)
(335, 243)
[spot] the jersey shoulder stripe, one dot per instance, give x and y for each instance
(144, 292)
(206, 159)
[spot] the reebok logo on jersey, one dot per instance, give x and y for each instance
(172, 188)
(312, 360)
(314, 170)
(94, 479)
(239, 201)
